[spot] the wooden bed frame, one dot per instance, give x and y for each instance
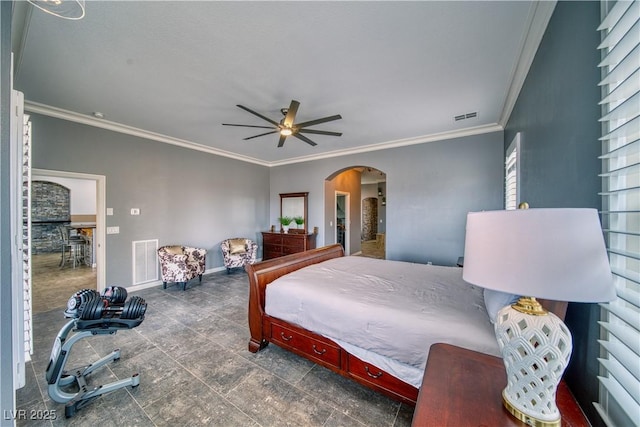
(265, 329)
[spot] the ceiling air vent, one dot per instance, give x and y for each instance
(466, 116)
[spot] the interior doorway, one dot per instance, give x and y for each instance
(53, 284)
(364, 223)
(342, 218)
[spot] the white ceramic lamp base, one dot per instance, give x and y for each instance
(535, 350)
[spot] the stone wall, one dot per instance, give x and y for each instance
(50, 208)
(369, 218)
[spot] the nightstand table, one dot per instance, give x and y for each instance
(464, 388)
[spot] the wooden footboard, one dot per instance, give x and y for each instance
(318, 349)
(263, 273)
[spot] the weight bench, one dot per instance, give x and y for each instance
(91, 314)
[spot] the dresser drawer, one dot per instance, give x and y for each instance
(321, 352)
(269, 252)
(273, 239)
(374, 375)
(294, 244)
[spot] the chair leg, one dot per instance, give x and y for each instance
(62, 258)
(200, 278)
(164, 285)
(184, 286)
(228, 270)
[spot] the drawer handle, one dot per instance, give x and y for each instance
(323, 351)
(284, 337)
(378, 375)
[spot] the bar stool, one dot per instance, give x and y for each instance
(72, 247)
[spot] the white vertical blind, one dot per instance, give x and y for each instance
(511, 174)
(26, 238)
(619, 401)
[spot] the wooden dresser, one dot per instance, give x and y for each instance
(278, 244)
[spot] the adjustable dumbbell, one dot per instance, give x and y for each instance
(134, 308)
(115, 294)
(73, 304)
(97, 307)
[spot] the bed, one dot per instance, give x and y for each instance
(369, 320)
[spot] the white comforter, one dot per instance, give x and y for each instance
(387, 313)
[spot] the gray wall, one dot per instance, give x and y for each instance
(429, 189)
(557, 111)
(184, 196)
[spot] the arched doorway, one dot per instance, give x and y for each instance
(365, 228)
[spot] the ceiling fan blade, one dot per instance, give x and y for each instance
(320, 132)
(262, 134)
(258, 114)
(291, 113)
(248, 126)
(318, 121)
(305, 139)
(281, 140)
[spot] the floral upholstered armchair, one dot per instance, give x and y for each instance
(238, 252)
(179, 264)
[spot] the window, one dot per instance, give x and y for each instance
(619, 401)
(511, 174)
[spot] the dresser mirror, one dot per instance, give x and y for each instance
(294, 205)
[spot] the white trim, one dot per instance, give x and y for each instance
(59, 113)
(159, 282)
(478, 130)
(539, 18)
(71, 116)
(101, 191)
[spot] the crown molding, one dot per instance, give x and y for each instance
(478, 130)
(84, 119)
(539, 17)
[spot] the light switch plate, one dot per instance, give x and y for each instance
(113, 230)
(135, 211)
(109, 211)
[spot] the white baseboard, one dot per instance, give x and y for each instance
(155, 283)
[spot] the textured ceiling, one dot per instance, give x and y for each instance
(397, 72)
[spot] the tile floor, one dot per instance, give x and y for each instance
(195, 369)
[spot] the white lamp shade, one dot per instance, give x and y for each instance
(556, 254)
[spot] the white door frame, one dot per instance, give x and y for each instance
(347, 219)
(99, 236)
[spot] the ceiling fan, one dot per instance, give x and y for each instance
(287, 126)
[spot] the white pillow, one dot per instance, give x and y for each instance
(495, 300)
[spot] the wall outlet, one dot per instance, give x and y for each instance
(113, 230)
(135, 211)
(109, 211)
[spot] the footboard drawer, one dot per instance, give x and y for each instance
(380, 379)
(320, 351)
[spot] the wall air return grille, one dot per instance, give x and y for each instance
(145, 261)
(466, 116)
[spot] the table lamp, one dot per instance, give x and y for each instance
(556, 254)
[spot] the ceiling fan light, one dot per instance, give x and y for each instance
(67, 9)
(286, 132)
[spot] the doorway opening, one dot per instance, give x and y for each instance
(363, 231)
(342, 220)
(57, 274)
